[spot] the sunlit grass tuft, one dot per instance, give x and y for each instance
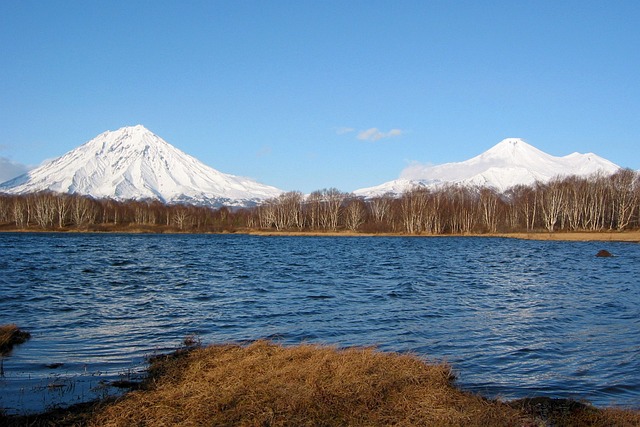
(268, 384)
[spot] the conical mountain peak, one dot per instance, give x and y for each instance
(130, 135)
(134, 163)
(127, 132)
(512, 148)
(512, 143)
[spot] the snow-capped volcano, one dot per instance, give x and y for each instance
(134, 163)
(509, 163)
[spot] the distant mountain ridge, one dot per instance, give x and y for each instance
(134, 163)
(509, 163)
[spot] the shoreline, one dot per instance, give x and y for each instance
(631, 236)
(577, 236)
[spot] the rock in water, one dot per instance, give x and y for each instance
(603, 253)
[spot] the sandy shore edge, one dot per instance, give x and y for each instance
(599, 236)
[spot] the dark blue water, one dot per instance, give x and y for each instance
(514, 318)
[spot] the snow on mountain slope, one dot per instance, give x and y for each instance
(134, 163)
(509, 163)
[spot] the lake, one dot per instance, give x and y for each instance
(514, 318)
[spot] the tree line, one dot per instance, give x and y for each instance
(56, 211)
(594, 203)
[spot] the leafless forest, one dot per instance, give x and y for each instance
(595, 203)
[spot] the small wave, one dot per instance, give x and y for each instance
(122, 262)
(320, 297)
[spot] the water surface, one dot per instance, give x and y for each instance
(514, 318)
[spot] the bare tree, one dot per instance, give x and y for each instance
(288, 210)
(330, 204)
(82, 211)
(623, 197)
(636, 191)
(523, 203)
(62, 207)
(488, 207)
(431, 212)
(577, 194)
(552, 201)
(267, 214)
(312, 210)
(354, 213)
(43, 208)
(380, 207)
(413, 205)
(462, 208)
(19, 212)
(5, 202)
(514, 213)
(598, 201)
(180, 217)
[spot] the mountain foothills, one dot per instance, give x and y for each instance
(510, 163)
(132, 163)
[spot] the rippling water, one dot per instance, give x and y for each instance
(514, 318)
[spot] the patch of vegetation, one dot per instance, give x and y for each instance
(11, 335)
(267, 384)
(566, 412)
(263, 383)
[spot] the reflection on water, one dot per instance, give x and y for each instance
(514, 318)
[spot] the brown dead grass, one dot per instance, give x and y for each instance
(265, 384)
(564, 412)
(569, 236)
(11, 335)
(601, 236)
(306, 385)
(579, 236)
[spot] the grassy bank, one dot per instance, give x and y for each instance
(602, 236)
(579, 236)
(266, 384)
(569, 236)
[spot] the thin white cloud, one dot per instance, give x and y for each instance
(416, 170)
(10, 169)
(343, 130)
(264, 152)
(374, 134)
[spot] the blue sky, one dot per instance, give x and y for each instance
(305, 95)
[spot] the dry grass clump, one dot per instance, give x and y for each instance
(605, 417)
(565, 412)
(307, 385)
(11, 335)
